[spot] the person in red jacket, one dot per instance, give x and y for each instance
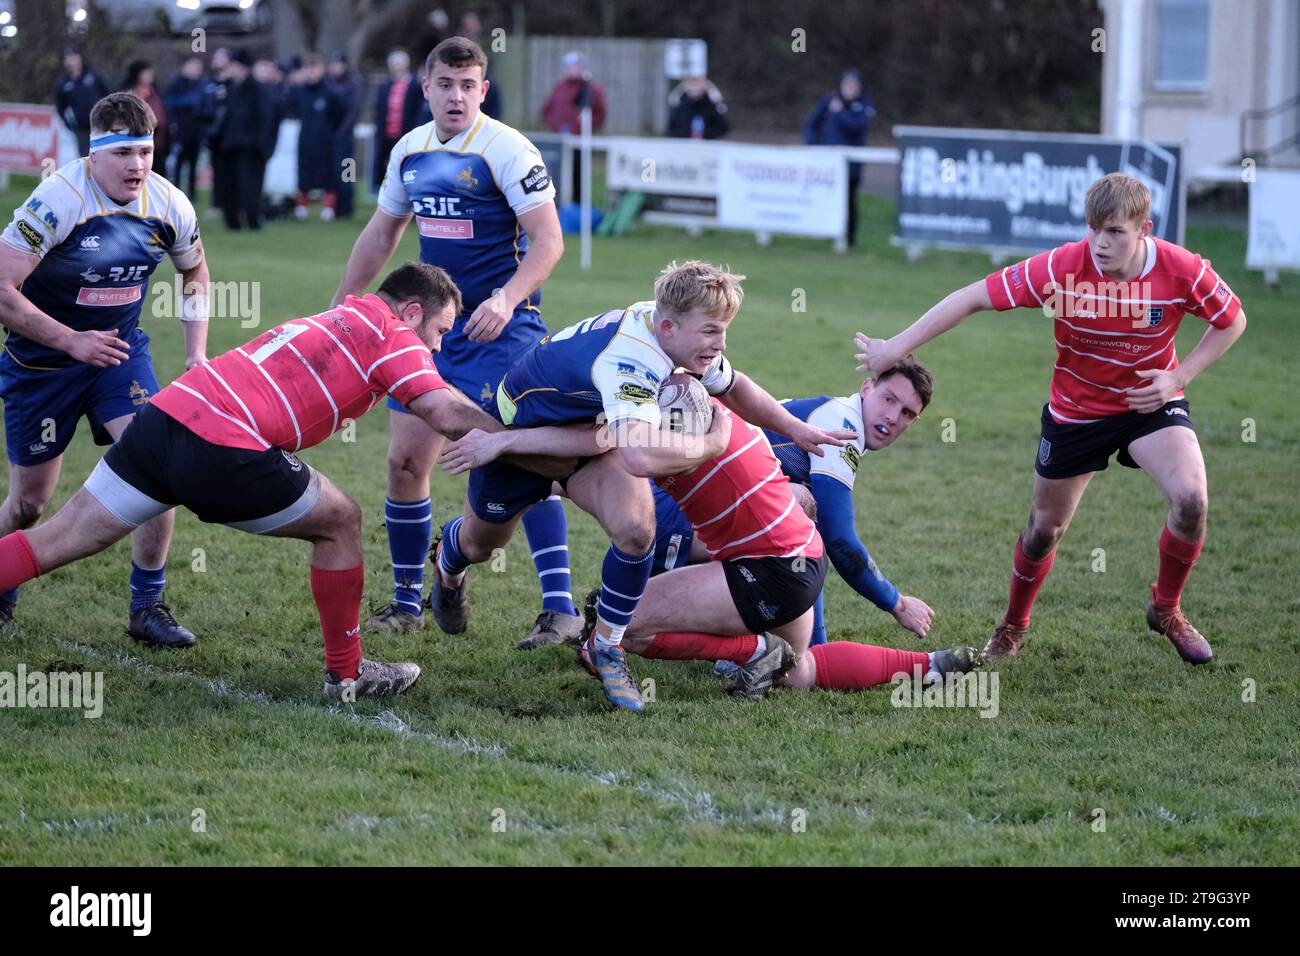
(562, 110)
(140, 80)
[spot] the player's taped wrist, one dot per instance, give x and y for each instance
(194, 308)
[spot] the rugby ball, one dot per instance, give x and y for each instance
(685, 405)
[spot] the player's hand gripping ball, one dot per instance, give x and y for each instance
(685, 404)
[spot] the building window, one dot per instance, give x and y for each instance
(1183, 44)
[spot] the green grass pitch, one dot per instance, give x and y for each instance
(227, 754)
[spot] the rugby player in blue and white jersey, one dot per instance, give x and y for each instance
(883, 409)
(610, 366)
(485, 208)
(75, 264)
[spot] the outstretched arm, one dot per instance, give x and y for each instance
(876, 355)
(448, 412)
(548, 450)
(752, 403)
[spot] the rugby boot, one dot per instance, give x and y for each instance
(609, 666)
(756, 678)
(156, 626)
(1173, 624)
(450, 606)
(1006, 641)
(552, 628)
(395, 620)
(374, 679)
(956, 660)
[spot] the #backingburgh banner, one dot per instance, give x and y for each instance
(1011, 190)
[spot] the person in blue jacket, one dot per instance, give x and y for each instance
(843, 118)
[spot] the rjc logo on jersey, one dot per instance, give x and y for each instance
(437, 206)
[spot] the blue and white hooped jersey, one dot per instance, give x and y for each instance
(467, 195)
(828, 414)
(96, 255)
(610, 363)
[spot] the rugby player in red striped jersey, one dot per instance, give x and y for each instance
(219, 440)
(751, 602)
(1117, 298)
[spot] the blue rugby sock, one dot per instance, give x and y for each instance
(146, 586)
(623, 578)
(819, 621)
(410, 529)
(548, 534)
(452, 563)
(9, 597)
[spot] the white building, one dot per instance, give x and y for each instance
(1222, 77)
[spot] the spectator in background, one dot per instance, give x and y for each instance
(843, 118)
(245, 138)
(215, 89)
(76, 92)
(562, 110)
(346, 88)
(279, 83)
(185, 104)
(696, 110)
(397, 108)
(140, 81)
(320, 113)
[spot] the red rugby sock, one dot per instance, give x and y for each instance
(338, 600)
(1026, 578)
(18, 563)
(691, 646)
(846, 665)
(1176, 559)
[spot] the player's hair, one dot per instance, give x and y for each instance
(921, 378)
(698, 285)
(123, 111)
(1116, 195)
(458, 52)
(429, 285)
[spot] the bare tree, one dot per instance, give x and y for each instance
(290, 34)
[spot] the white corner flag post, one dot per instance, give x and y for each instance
(585, 147)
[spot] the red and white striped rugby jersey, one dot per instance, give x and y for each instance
(295, 385)
(740, 502)
(1108, 330)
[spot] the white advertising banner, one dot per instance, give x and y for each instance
(1274, 237)
(677, 167)
(802, 191)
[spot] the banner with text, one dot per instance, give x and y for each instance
(801, 191)
(1001, 189)
(28, 136)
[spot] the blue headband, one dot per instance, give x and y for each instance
(107, 140)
